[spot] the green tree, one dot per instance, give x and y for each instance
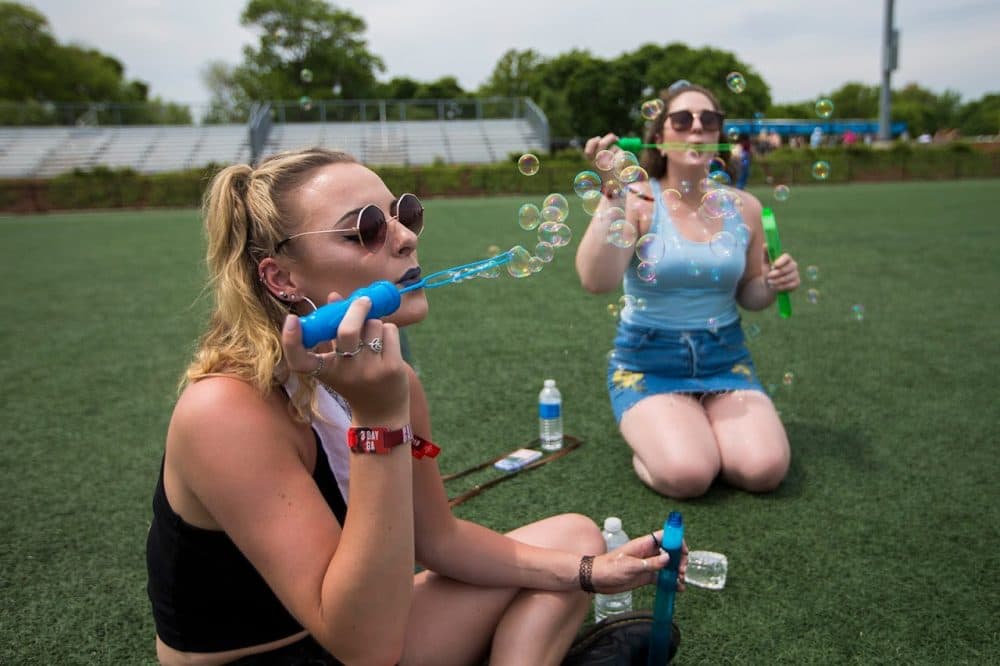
(513, 74)
(981, 116)
(297, 35)
(38, 72)
(855, 100)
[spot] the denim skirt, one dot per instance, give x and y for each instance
(651, 361)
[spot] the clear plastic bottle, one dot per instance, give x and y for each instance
(706, 569)
(612, 604)
(550, 430)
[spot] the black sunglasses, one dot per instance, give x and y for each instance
(681, 121)
(371, 225)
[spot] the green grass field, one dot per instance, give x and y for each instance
(880, 547)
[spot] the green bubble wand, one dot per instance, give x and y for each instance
(634, 144)
(773, 252)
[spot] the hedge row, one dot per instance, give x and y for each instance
(123, 188)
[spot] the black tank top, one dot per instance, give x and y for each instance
(206, 595)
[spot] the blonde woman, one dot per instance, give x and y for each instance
(299, 488)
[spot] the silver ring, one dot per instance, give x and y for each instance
(349, 354)
(319, 366)
(375, 344)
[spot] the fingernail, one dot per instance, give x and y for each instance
(289, 323)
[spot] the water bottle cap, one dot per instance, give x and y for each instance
(549, 383)
(612, 524)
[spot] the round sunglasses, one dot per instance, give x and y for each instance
(371, 225)
(682, 121)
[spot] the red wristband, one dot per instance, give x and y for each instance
(424, 447)
(378, 440)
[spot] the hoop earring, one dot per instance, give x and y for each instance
(309, 301)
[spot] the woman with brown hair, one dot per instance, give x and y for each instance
(682, 384)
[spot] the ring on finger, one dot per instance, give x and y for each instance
(319, 366)
(349, 354)
(375, 344)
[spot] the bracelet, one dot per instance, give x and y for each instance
(586, 570)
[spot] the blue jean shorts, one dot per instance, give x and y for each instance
(652, 361)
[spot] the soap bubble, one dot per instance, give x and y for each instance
(545, 251)
(721, 203)
(623, 159)
(562, 235)
(646, 272)
(591, 204)
(613, 188)
(781, 192)
(650, 248)
(788, 378)
(752, 331)
(813, 296)
(613, 310)
(520, 264)
(733, 134)
(604, 160)
(824, 107)
(535, 264)
(621, 233)
(306, 103)
(723, 244)
(693, 268)
(651, 108)
(812, 272)
(626, 301)
(306, 75)
(528, 164)
(715, 274)
(671, 199)
(633, 174)
(736, 82)
(686, 187)
(713, 324)
(528, 216)
(640, 303)
(743, 234)
(587, 184)
(821, 170)
(721, 177)
(557, 201)
(858, 311)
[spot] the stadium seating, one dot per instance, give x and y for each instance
(41, 152)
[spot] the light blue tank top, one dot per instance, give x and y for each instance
(695, 287)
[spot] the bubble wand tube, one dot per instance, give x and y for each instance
(666, 589)
(321, 325)
(773, 252)
(634, 144)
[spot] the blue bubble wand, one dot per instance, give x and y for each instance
(666, 589)
(321, 325)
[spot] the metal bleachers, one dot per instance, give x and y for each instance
(42, 152)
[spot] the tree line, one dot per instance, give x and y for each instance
(310, 49)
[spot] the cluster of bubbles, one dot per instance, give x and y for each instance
(812, 294)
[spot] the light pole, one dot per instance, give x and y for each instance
(890, 60)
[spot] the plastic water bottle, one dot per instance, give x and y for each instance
(612, 604)
(550, 430)
(706, 569)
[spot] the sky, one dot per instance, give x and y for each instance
(802, 49)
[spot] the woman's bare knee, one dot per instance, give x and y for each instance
(683, 480)
(760, 473)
